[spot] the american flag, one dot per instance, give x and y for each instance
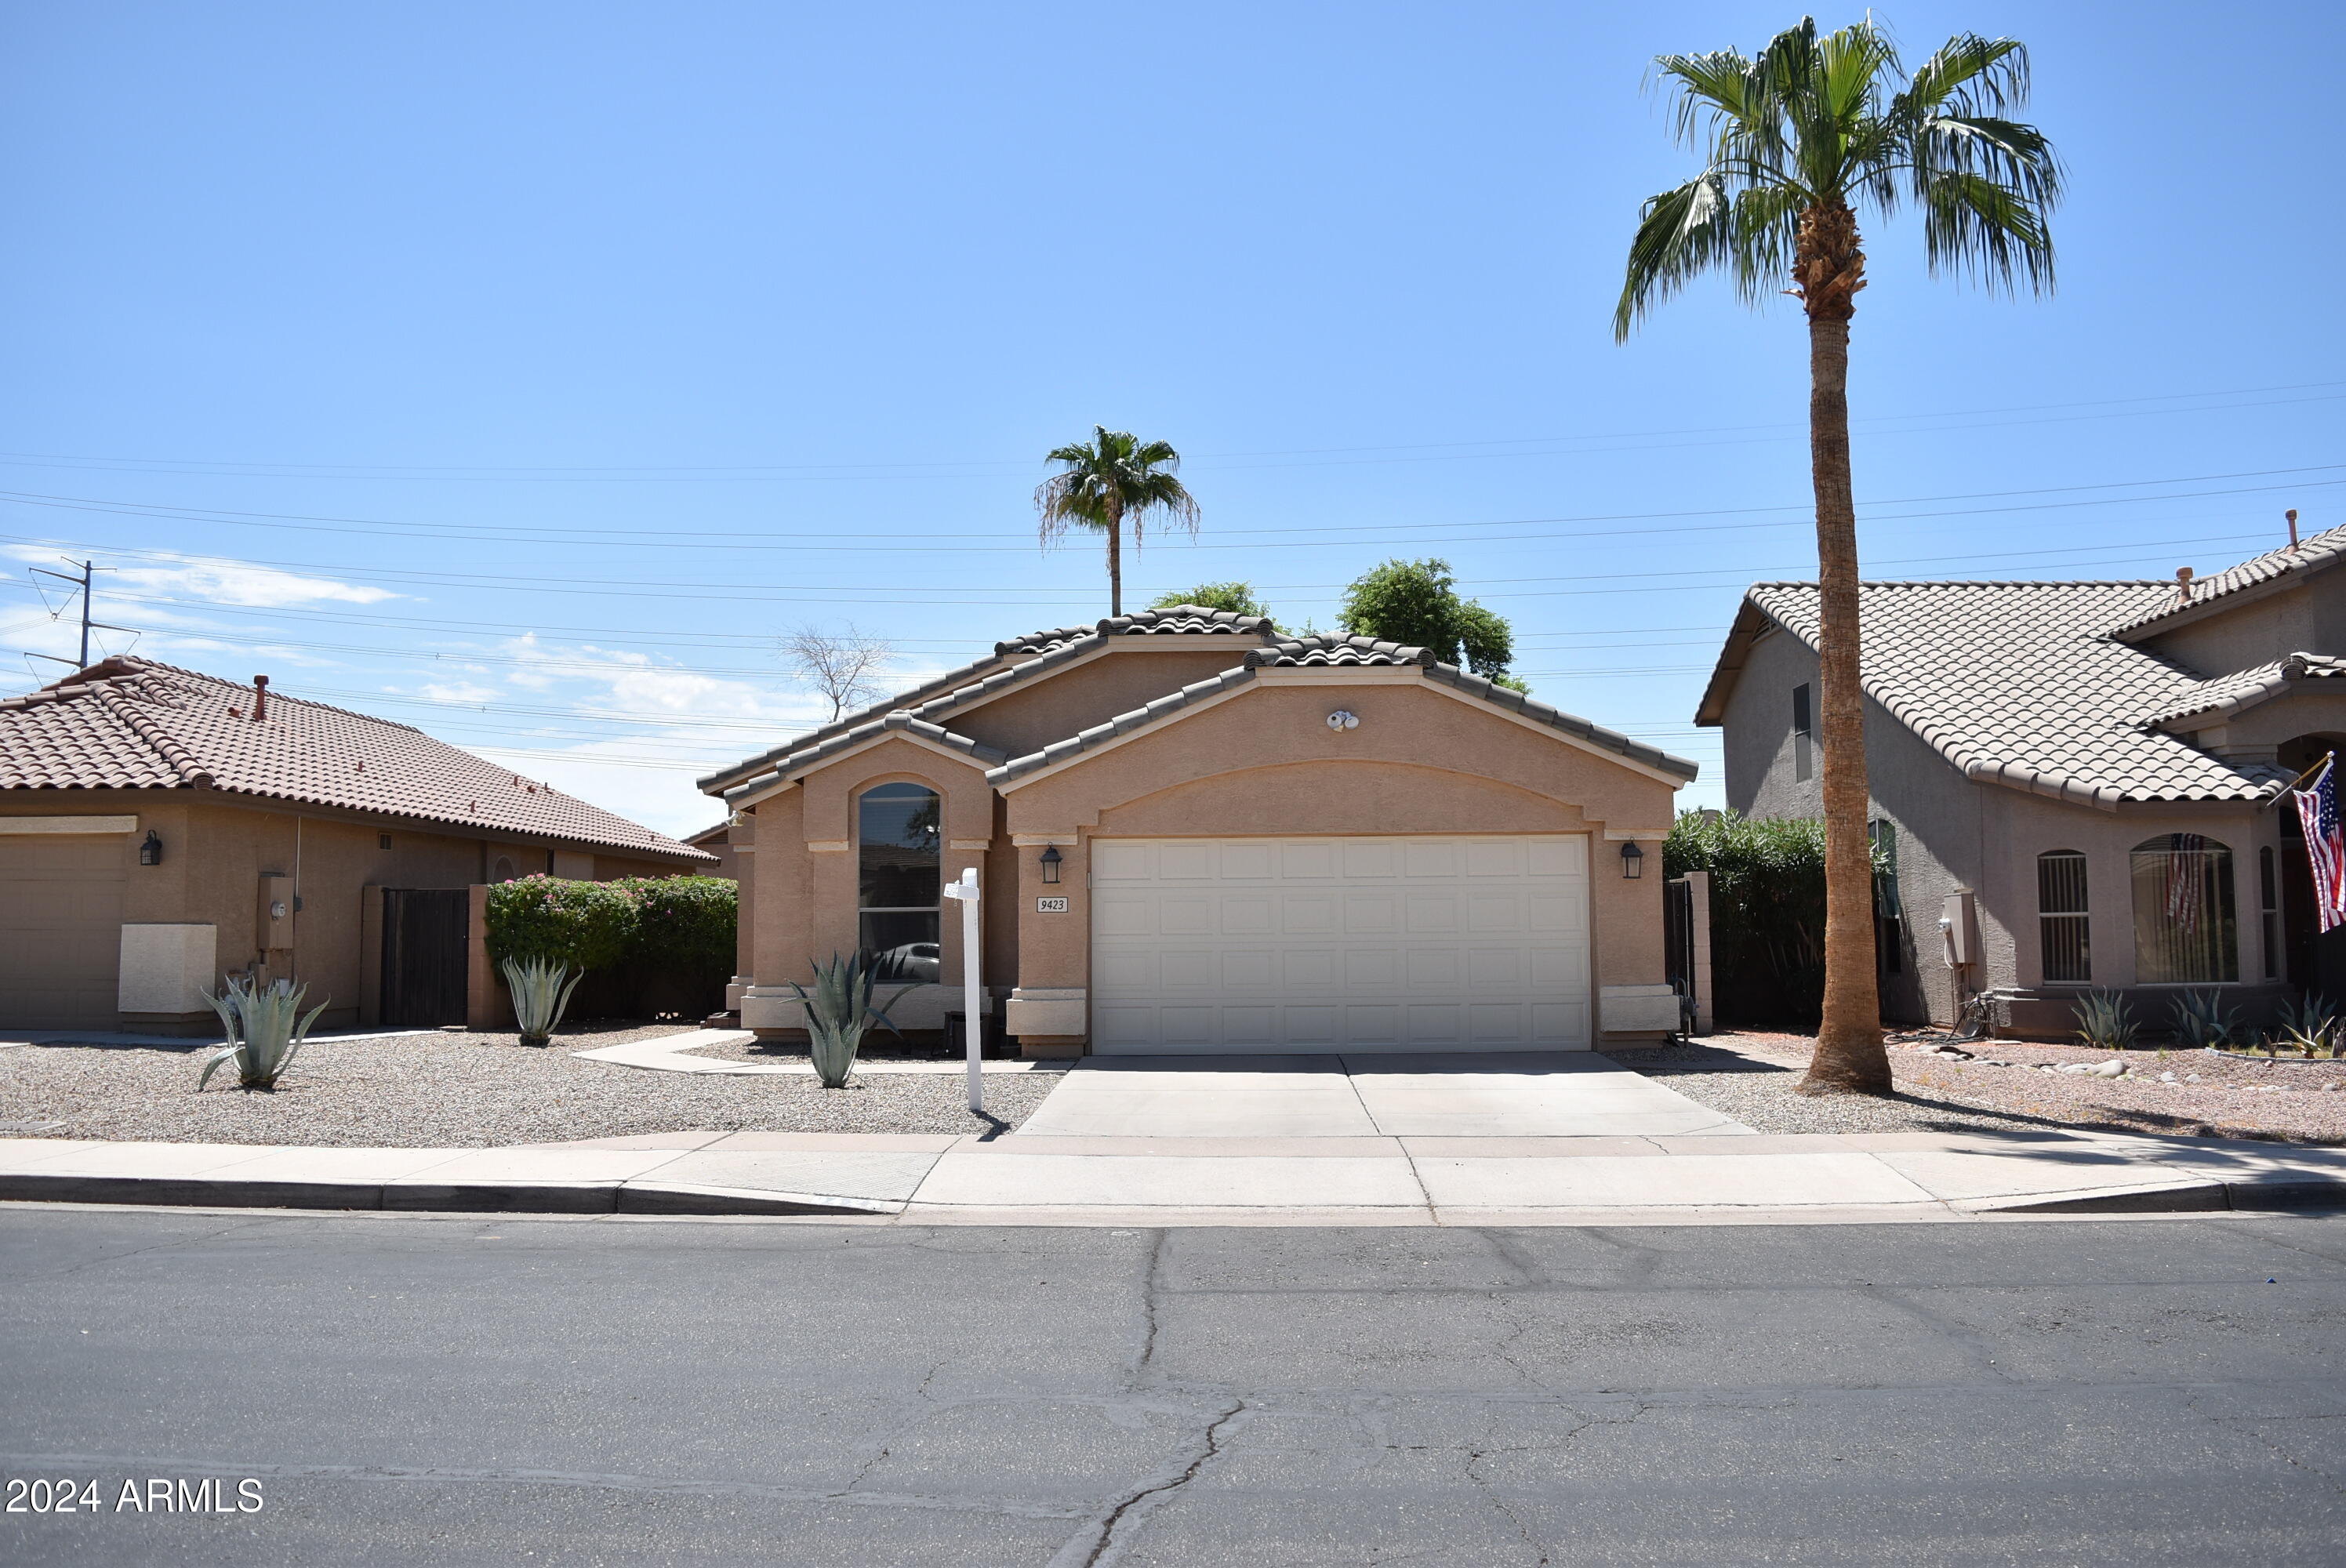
(2317, 808)
(2187, 867)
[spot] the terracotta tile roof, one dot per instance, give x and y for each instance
(1336, 648)
(1036, 653)
(2229, 694)
(1173, 620)
(832, 745)
(1363, 652)
(923, 709)
(131, 724)
(2018, 684)
(2308, 555)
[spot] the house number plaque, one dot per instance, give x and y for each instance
(1051, 906)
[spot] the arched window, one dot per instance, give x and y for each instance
(899, 882)
(2183, 932)
(2062, 924)
(503, 872)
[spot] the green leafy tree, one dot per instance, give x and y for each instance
(1794, 142)
(1236, 598)
(1416, 604)
(1110, 480)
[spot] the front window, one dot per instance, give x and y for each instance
(899, 880)
(2183, 922)
(2061, 929)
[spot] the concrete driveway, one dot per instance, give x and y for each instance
(1514, 1094)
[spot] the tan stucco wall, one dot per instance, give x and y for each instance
(1261, 762)
(1126, 676)
(217, 848)
(2251, 631)
(1265, 762)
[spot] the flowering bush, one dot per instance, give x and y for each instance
(586, 925)
(652, 945)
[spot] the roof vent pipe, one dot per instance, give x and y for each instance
(2183, 584)
(260, 698)
(2292, 516)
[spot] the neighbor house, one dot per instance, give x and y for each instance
(160, 829)
(2074, 783)
(1193, 832)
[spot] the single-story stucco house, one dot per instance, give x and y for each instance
(1195, 833)
(2078, 778)
(161, 828)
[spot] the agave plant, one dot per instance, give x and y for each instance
(541, 989)
(2202, 1019)
(265, 1028)
(839, 1011)
(2310, 1027)
(2105, 1021)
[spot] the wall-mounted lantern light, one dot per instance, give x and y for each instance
(1051, 858)
(150, 852)
(1633, 860)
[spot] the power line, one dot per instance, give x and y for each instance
(859, 542)
(734, 473)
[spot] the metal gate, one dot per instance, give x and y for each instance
(426, 934)
(1686, 948)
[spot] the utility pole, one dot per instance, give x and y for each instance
(84, 581)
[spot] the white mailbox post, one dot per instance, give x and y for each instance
(973, 1022)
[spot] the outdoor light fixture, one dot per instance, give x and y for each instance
(1051, 858)
(151, 853)
(1633, 860)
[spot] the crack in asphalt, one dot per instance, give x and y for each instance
(1136, 1505)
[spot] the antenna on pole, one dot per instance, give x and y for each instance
(84, 580)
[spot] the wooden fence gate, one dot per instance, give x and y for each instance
(426, 933)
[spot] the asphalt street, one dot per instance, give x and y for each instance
(442, 1389)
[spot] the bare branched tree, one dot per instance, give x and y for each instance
(843, 665)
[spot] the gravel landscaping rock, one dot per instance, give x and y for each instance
(1949, 1085)
(464, 1091)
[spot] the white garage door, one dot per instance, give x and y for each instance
(1352, 944)
(60, 930)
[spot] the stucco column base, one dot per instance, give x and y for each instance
(766, 1008)
(733, 990)
(1051, 1046)
(1636, 1012)
(180, 1025)
(1045, 1010)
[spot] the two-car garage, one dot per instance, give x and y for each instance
(1351, 943)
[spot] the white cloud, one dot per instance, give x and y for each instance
(216, 582)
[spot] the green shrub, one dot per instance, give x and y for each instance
(682, 923)
(586, 925)
(1767, 911)
(650, 945)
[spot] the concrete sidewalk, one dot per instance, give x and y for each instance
(1046, 1179)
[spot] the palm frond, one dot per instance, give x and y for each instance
(1681, 234)
(1968, 75)
(1987, 228)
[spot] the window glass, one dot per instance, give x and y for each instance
(1803, 727)
(2063, 930)
(899, 880)
(2184, 931)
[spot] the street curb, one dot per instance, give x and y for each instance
(2188, 1197)
(462, 1197)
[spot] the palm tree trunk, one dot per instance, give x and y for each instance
(1116, 563)
(1849, 1057)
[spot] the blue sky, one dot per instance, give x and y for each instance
(522, 372)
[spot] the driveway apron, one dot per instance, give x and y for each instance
(1515, 1095)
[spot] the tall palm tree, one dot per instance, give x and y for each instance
(1108, 480)
(1794, 141)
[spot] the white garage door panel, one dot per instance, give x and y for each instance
(1359, 944)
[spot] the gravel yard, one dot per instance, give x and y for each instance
(2004, 1084)
(464, 1091)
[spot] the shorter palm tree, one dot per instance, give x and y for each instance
(1106, 481)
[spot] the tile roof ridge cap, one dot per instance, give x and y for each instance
(165, 747)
